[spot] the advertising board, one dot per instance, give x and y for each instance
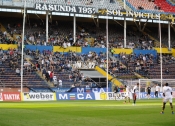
(11, 96)
(38, 96)
(75, 96)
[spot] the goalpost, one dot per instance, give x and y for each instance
(144, 83)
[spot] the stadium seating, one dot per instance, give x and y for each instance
(63, 31)
(165, 6)
(10, 79)
(156, 6)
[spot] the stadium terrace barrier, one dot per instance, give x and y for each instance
(13, 89)
(71, 90)
(111, 78)
(127, 51)
(164, 50)
(88, 90)
(38, 47)
(8, 46)
(48, 90)
(173, 52)
(61, 49)
(86, 50)
(138, 52)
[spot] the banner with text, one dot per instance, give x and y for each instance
(88, 90)
(38, 96)
(121, 95)
(110, 96)
(75, 96)
(11, 96)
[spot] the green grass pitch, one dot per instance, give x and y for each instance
(85, 113)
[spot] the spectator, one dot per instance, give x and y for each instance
(60, 83)
(47, 76)
(51, 76)
(44, 72)
(167, 70)
(2, 71)
(17, 71)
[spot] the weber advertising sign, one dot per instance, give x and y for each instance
(38, 96)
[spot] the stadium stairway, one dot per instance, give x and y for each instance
(156, 42)
(136, 74)
(10, 79)
(111, 78)
(3, 29)
(40, 74)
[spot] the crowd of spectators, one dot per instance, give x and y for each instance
(48, 62)
(143, 64)
(69, 63)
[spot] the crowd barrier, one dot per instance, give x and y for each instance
(38, 47)
(16, 96)
(173, 52)
(71, 90)
(8, 46)
(138, 52)
(164, 50)
(68, 49)
(118, 50)
(86, 50)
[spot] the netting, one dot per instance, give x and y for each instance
(144, 83)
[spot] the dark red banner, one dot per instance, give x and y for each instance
(11, 96)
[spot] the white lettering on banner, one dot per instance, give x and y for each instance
(88, 96)
(133, 14)
(63, 8)
(81, 96)
(63, 96)
(75, 96)
(80, 90)
(11, 97)
(91, 10)
(97, 90)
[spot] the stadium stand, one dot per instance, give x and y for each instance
(10, 71)
(65, 65)
(155, 6)
(165, 6)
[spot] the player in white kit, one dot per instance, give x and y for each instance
(167, 93)
(128, 94)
